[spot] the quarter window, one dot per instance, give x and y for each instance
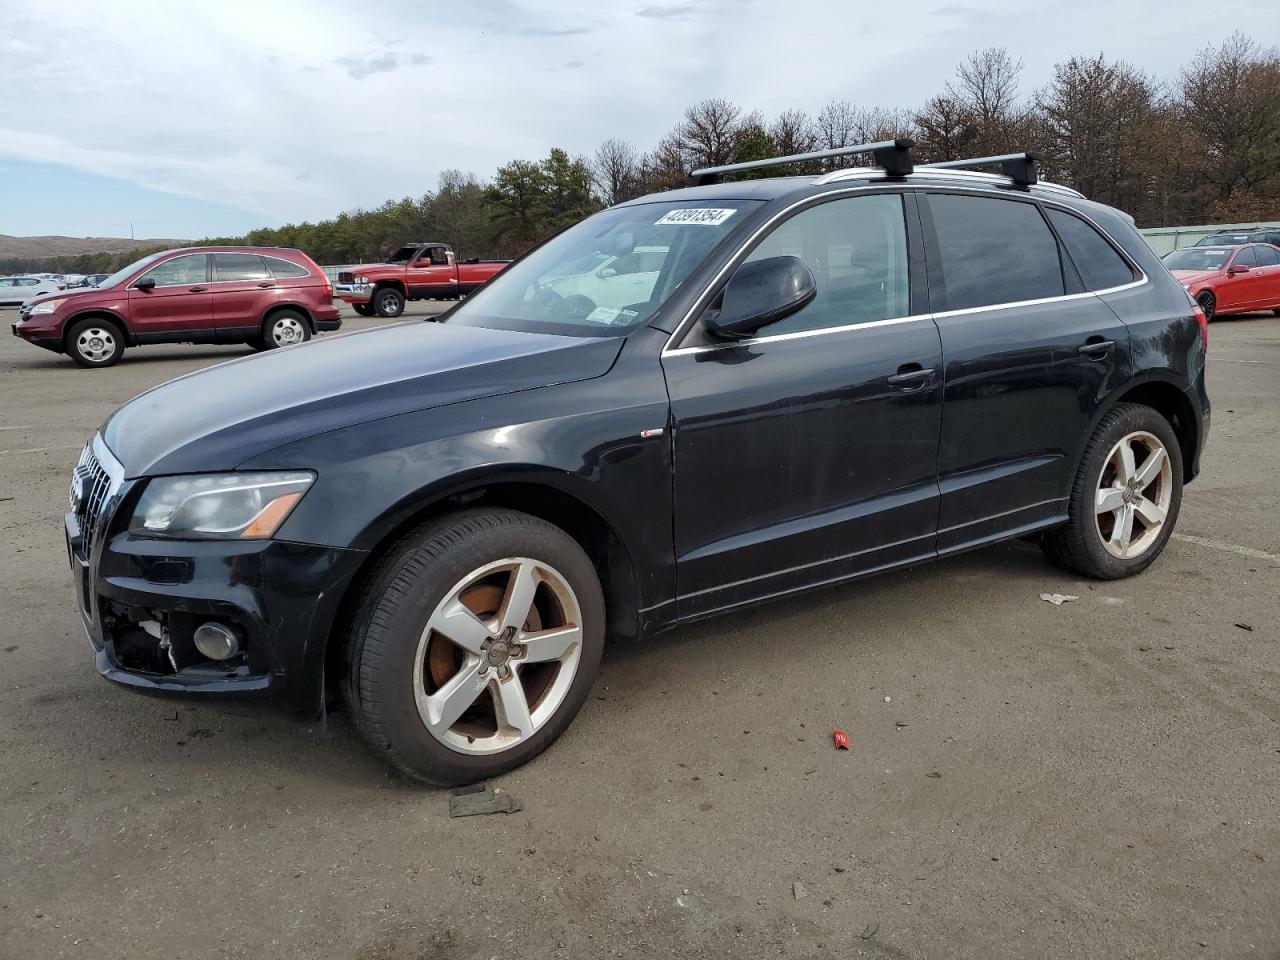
(857, 250)
(239, 266)
(1099, 264)
(283, 269)
(994, 251)
(180, 271)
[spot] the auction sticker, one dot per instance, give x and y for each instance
(700, 216)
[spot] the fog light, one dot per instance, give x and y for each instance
(216, 641)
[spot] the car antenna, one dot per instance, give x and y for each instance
(1018, 167)
(893, 156)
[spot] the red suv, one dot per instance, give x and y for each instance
(266, 297)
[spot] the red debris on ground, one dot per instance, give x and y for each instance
(841, 738)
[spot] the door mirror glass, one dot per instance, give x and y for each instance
(761, 292)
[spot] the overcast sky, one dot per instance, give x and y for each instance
(196, 119)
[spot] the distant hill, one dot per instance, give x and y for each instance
(41, 248)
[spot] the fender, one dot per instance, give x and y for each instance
(291, 305)
(129, 338)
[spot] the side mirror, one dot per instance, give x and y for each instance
(608, 272)
(145, 284)
(763, 292)
(1238, 268)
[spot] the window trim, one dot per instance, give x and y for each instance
(917, 295)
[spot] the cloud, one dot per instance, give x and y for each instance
(669, 11)
(360, 67)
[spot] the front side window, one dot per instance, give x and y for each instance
(567, 285)
(238, 266)
(1100, 266)
(994, 251)
(857, 250)
(1245, 257)
(180, 271)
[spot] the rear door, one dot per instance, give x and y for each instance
(1028, 355)
(178, 306)
(243, 289)
(1268, 258)
(808, 453)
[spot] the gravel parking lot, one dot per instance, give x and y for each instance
(1092, 780)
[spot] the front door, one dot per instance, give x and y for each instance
(432, 275)
(178, 305)
(1030, 354)
(808, 454)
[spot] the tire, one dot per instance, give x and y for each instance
(92, 342)
(388, 302)
(1092, 542)
(283, 328)
(400, 671)
(1276, 312)
(1208, 303)
(362, 309)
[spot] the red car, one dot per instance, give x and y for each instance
(417, 271)
(266, 297)
(1229, 279)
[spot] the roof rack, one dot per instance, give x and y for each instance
(893, 156)
(1018, 167)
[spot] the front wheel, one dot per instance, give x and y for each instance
(95, 343)
(1208, 303)
(283, 329)
(475, 645)
(1125, 499)
(388, 302)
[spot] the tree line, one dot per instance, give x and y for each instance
(1202, 148)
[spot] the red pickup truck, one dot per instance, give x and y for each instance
(417, 271)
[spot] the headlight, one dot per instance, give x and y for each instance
(219, 506)
(49, 306)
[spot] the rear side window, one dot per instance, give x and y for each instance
(239, 266)
(1099, 264)
(994, 251)
(857, 250)
(284, 270)
(1267, 256)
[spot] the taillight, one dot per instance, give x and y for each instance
(1202, 319)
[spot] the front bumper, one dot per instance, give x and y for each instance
(141, 599)
(43, 331)
(353, 292)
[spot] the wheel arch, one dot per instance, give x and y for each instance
(1160, 391)
(275, 308)
(538, 495)
(96, 313)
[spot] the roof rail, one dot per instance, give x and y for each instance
(1018, 167)
(894, 156)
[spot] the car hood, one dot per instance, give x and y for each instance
(1193, 276)
(219, 417)
(69, 293)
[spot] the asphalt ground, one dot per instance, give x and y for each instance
(1098, 779)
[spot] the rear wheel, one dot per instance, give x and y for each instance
(284, 328)
(475, 645)
(1208, 303)
(95, 343)
(1125, 499)
(362, 309)
(388, 302)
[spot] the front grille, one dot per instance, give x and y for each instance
(346, 276)
(95, 484)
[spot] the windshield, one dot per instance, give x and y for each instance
(1218, 239)
(1198, 258)
(123, 274)
(607, 275)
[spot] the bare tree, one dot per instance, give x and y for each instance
(1231, 98)
(708, 134)
(615, 171)
(947, 129)
(666, 168)
(835, 125)
(986, 85)
(793, 132)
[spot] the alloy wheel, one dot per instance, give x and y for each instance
(96, 344)
(498, 656)
(286, 331)
(1133, 496)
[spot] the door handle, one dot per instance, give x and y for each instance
(1096, 346)
(267, 283)
(911, 376)
(196, 289)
